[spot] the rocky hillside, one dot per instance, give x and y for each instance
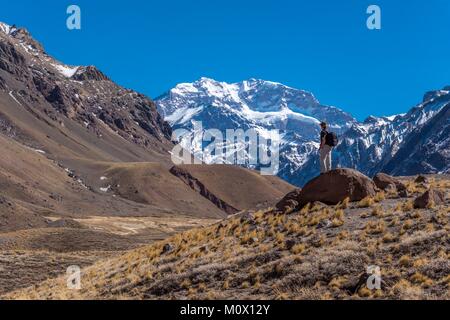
(70, 95)
(426, 149)
(296, 251)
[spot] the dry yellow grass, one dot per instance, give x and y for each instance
(376, 227)
(298, 249)
(408, 206)
(405, 261)
(366, 202)
(289, 248)
(380, 196)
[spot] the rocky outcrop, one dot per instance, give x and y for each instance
(429, 199)
(331, 188)
(89, 73)
(11, 60)
(199, 187)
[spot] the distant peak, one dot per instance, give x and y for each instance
(6, 28)
(206, 79)
(371, 119)
(20, 34)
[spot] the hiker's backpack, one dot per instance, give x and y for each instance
(331, 139)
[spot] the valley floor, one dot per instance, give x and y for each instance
(28, 257)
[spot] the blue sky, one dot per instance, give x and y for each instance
(322, 46)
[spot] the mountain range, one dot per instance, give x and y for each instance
(76, 144)
(377, 144)
(87, 179)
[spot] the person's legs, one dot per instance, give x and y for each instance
(323, 154)
(328, 159)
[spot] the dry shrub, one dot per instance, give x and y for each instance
(366, 202)
(380, 196)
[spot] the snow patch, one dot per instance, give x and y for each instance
(12, 96)
(66, 71)
(105, 189)
(5, 28)
(181, 116)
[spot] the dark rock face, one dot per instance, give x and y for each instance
(384, 182)
(199, 187)
(82, 94)
(289, 202)
(11, 60)
(429, 198)
(426, 149)
(331, 188)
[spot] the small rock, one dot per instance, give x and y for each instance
(324, 224)
(168, 247)
(221, 225)
(290, 243)
(421, 179)
(248, 217)
(403, 193)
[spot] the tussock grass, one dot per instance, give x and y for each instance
(366, 202)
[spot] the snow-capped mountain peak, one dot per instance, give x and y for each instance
(253, 98)
(5, 28)
(254, 104)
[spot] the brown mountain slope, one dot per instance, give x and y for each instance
(82, 126)
(237, 188)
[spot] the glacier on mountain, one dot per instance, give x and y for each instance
(262, 105)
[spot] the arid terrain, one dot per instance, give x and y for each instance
(318, 252)
(86, 170)
(87, 179)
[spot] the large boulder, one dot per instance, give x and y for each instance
(429, 198)
(386, 182)
(331, 188)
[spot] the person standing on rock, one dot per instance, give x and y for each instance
(328, 140)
